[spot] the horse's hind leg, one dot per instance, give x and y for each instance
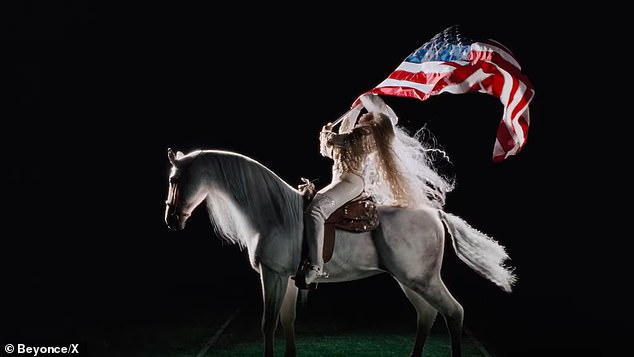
(435, 293)
(287, 317)
(273, 288)
(426, 315)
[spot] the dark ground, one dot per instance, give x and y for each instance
(93, 96)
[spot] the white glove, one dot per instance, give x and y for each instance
(374, 103)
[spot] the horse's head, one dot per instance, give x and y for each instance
(186, 191)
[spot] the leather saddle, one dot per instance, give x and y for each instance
(358, 215)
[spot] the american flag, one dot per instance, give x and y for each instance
(453, 63)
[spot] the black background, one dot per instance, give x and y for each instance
(93, 95)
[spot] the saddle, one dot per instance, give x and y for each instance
(358, 215)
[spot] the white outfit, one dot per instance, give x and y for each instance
(349, 152)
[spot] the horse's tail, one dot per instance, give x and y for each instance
(479, 251)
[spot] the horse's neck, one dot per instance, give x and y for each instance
(255, 193)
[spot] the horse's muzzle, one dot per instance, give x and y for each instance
(172, 219)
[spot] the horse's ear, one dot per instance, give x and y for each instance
(171, 156)
(175, 157)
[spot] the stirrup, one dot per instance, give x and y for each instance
(300, 276)
(318, 274)
(321, 274)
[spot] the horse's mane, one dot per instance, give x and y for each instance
(243, 187)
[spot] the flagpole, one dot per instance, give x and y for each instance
(346, 114)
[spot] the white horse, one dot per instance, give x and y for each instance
(250, 205)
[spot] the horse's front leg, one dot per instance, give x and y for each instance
(287, 316)
(273, 289)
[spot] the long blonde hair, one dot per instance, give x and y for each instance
(383, 135)
(401, 172)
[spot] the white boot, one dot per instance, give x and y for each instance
(312, 273)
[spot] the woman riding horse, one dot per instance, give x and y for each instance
(365, 159)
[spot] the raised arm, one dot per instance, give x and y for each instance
(328, 139)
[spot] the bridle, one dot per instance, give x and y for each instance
(174, 189)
